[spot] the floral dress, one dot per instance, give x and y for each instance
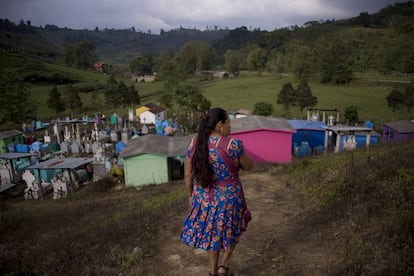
(214, 220)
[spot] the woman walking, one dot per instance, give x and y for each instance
(218, 213)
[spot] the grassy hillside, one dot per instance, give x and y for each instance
(242, 92)
(368, 91)
(356, 206)
(368, 95)
(379, 42)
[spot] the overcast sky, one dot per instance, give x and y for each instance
(171, 14)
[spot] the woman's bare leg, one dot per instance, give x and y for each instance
(213, 256)
(226, 257)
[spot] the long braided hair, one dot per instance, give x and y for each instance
(200, 161)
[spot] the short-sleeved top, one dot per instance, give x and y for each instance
(215, 220)
(218, 168)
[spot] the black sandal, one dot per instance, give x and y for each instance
(227, 273)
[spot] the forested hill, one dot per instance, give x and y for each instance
(368, 35)
(120, 46)
(114, 46)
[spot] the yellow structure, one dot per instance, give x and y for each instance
(141, 109)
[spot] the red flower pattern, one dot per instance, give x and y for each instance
(211, 223)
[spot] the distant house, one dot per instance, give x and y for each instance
(13, 136)
(266, 139)
(398, 131)
(99, 66)
(153, 113)
(143, 78)
(140, 110)
(153, 159)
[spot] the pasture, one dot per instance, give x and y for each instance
(367, 92)
(369, 96)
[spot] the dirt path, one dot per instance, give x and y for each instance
(274, 243)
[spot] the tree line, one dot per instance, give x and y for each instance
(331, 51)
(117, 95)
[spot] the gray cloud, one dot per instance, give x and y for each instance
(156, 14)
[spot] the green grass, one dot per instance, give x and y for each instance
(245, 90)
(367, 92)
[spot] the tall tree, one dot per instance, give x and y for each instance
(111, 92)
(165, 56)
(304, 97)
(334, 60)
(276, 62)
(133, 96)
(189, 96)
(81, 55)
(351, 114)
(195, 55)
(123, 94)
(409, 96)
(395, 99)
(55, 101)
(301, 61)
(232, 61)
(166, 99)
(257, 59)
(187, 57)
(206, 57)
(188, 103)
(70, 57)
(172, 73)
(141, 65)
(72, 98)
(85, 55)
(15, 105)
(287, 96)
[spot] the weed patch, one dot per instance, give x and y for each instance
(372, 194)
(95, 232)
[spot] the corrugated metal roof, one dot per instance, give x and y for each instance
(155, 108)
(403, 126)
(15, 155)
(154, 144)
(349, 129)
(141, 109)
(260, 122)
(73, 121)
(307, 124)
(9, 133)
(62, 163)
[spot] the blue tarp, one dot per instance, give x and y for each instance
(312, 132)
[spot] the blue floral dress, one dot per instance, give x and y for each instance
(214, 221)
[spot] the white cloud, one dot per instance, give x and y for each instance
(168, 14)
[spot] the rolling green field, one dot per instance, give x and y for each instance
(367, 92)
(244, 91)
